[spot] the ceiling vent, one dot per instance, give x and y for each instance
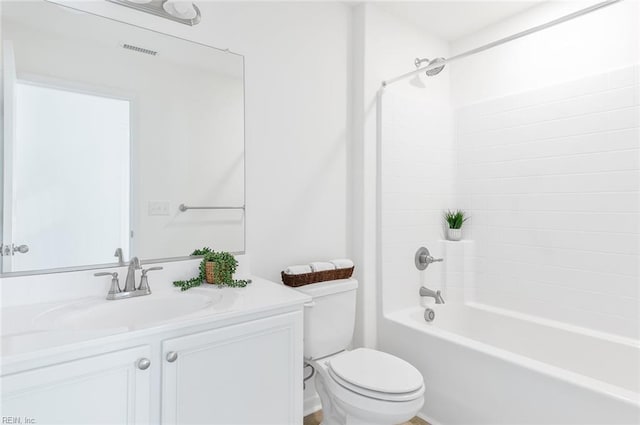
(139, 49)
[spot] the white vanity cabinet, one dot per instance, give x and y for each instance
(242, 374)
(111, 388)
(236, 359)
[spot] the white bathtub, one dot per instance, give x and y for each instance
(489, 366)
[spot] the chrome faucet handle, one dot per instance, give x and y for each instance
(150, 269)
(113, 274)
(423, 258)
(144, 281)
(115, 284)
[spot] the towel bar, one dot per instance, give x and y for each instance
(184, 208)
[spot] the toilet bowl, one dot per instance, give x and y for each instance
(366, 386)
(360, 386)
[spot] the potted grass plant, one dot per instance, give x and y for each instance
(455, 219)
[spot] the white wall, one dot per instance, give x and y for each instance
(600, 41)
(417, 185)
(296, 120)
(548, 139)
(416, 133)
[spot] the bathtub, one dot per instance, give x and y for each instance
(484, 365)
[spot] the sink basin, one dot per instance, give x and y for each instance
(128, 313)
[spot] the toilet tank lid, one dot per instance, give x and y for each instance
(321, 289)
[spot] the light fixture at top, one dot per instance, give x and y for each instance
(182, 11)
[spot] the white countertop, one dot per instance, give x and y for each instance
(25, 337)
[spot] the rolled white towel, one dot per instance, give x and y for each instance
(300, 269)
(342, 263)
(320, 266)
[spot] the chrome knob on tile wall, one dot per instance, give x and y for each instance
(423, 258)
(172, 356)
(143, 363)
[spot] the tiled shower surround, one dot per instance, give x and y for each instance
(417, 183)
(551, 180)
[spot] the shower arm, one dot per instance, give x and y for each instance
(493, 44)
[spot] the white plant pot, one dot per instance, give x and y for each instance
(454, 234)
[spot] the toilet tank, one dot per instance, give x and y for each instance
(330, 319)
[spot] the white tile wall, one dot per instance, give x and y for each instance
(417, 184)
(551, 178)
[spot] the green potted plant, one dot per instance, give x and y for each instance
(455, 219)
(215, 268)
(219, 267)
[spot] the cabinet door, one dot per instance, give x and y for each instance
(243, 374)
(105, 389)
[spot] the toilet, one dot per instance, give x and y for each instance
(360, 386)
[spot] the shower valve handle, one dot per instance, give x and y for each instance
(423, 258)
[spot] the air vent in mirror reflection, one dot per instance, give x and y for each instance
(139, 49)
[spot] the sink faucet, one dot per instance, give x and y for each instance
(130, 282)
(426, 292)
(130, 290)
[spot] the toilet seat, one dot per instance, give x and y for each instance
(347, 403)
(376, 375)
(377, 395)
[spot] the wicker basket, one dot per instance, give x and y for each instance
(208, 268)
(315, 277)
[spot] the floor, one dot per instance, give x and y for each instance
(316, 418)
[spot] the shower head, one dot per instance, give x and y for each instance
(434, 71)
(437, 70)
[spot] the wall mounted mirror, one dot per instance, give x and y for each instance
(108, 129)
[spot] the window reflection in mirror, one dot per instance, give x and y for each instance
(66, 139)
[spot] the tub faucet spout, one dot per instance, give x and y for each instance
(426, 292)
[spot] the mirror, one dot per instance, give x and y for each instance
(108, 129)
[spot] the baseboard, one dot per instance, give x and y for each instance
(427, 419)
(312, 405)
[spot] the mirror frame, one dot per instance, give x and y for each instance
(244, 156)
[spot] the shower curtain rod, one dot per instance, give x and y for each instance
(436, 64)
